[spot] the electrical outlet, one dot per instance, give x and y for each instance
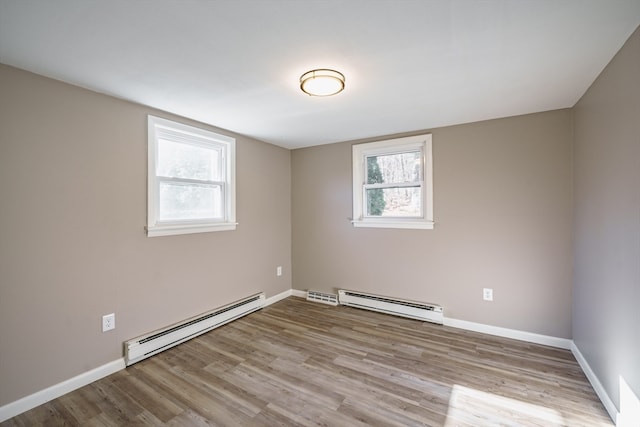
(487, 294)
(108, 322)
(279, 271)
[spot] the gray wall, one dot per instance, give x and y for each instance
(72, 242)
(502, 207)
(606, 302)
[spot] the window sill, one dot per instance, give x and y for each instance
(174, 229)
(406, 224)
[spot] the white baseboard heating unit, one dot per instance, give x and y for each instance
(322, 297)
(147, 345)
(399, 307)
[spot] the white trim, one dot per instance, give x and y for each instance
(391, 146)
(629, 414)
(509, 333)
(393, 223)
(277, 297)
(43, 396)
(158, 127)
(170, 230)
(595, 382)
(38, 398)
(299, 294)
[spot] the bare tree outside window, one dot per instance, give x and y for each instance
(393, 183)
(401, 194)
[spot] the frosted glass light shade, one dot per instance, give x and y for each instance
(322, 82)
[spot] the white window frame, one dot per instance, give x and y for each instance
(393, 146)
(170, 130)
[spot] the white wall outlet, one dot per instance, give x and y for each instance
(279, 270)
(108, 322)
(487, 294)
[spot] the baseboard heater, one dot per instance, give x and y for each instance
(147, 345)
(322, 297)
(399, 307)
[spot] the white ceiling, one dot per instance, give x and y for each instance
(409, 65)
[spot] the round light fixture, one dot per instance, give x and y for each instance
(322, 82)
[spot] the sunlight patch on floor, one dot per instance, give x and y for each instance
(472, 407)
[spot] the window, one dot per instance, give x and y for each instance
(393, 183)
(191, 182)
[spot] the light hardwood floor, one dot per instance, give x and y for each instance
(302, 363)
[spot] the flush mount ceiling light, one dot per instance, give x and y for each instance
(322, 82)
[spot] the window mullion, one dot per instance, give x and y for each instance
(393, 185)
(190, 181)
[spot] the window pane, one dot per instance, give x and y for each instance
(188, 201)
(374, 175)
(394, 202)
(177, 160)
(394, 168)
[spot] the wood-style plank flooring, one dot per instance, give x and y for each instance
(302, 363)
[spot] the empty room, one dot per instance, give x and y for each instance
(327, 212)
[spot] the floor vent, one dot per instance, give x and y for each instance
(325, 298)
(399, 307)
(147, 345)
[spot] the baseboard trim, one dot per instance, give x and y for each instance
(29, 402)
(12, 409)
(595, 382)
(563, 343)
(299, 294)
(277, 297)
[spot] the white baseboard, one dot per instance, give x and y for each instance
(595, 382)
(550, 341)
(509, 333)
(278, 297)
(29, 402)
(12, 409)
(43, 396)
(563, 343)
(299, 294)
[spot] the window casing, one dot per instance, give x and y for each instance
(191, 179)
(393, 183)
